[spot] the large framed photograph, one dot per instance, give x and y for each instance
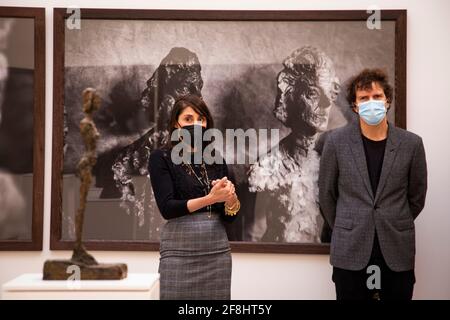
(22, 98)
(277, 77)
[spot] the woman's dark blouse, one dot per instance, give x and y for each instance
(173, 186)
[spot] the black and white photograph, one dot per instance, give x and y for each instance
(291, 73)
(21, 128)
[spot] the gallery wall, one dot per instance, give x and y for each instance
(300, 276)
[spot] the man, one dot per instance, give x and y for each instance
(372, 185)
(285, 179)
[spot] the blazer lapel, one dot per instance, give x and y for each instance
(360, 157)
(390, 152)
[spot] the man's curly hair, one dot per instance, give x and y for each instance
(364, 80)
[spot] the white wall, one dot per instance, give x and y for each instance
(273, 276)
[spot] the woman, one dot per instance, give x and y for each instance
(195, 259)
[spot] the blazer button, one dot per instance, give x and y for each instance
(376, 207)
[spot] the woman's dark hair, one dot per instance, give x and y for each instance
(364, 80)
(196, 103)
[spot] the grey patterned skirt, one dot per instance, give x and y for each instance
(195, 259)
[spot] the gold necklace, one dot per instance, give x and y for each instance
(202, 183)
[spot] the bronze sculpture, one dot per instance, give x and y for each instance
(90, 135)
(89, 268)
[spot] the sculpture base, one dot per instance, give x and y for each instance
(62, 270)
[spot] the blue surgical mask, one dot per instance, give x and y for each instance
(372, 111)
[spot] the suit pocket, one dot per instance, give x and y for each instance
(404, 224)
(344, 223)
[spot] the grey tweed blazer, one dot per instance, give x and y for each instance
(352, 210)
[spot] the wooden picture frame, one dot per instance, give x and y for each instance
(25, 91)
(394, 19)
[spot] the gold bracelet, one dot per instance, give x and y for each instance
(232, 211)
(236, 203)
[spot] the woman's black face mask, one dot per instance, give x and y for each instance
(193, 137)
(196, 133)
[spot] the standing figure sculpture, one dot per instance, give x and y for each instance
(90, 135)
(89, 268)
